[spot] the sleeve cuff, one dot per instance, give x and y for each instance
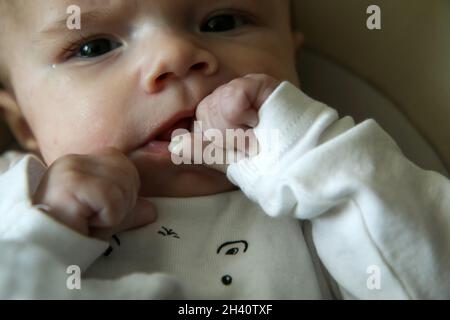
(70, 247)
(288, 118)
(21, 221)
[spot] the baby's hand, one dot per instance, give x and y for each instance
(95, 195)
(235, 105)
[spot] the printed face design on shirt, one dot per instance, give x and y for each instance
(228, 248)
(166, 232)
(110, 249)
(231, 248)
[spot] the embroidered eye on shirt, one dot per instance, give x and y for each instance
(233, 249)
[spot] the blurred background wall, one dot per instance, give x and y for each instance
(408, 59)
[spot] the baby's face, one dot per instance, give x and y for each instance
(134, 69)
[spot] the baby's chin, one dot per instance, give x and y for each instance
(160, 177)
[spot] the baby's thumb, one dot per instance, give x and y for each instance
(143, 214)
(192, 149)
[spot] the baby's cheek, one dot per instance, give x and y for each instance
(70, 136)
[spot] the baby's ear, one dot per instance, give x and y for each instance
(10, 111)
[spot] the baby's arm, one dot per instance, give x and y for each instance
(373, 212)
(37, 249)
(21, 221)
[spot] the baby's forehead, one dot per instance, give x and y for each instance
(37, 7)
(36, 12)
(9, 8)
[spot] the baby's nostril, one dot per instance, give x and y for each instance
(162, 77)
(198, 66)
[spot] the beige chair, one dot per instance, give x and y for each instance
(399, 75)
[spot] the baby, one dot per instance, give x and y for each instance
(338, 212)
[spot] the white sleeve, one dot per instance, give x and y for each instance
(36, 251)
(380, 224)
(21, 221)
(30, 272)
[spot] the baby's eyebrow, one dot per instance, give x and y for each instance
(60, 25)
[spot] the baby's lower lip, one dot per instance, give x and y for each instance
(157, 147)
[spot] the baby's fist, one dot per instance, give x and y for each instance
(235, 105)
(95, 195)
(231, 107)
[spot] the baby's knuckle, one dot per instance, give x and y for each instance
(129, 179)
(114, 218)
(67, 162)
(212, 102)
(201, 112)
(236, 106)
(116, 196)
(73, 178)
(207, 102)
(55, 196)
(126, 165)
(72, 205)
(108, 217)
(258, 77)
(108, 189)
(119, 161)
(231, 114)
(238, 82)
(229, 90)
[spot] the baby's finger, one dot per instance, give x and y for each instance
(189, 149)
(243, 142)
(108, 203)
(259, 87)
(70, 212)
(143, 214)
(115, 167)
(127, 187)
(243, 117)
(234, 107)
(250, 118)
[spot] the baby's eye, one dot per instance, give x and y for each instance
(223, 23)
(96, 48)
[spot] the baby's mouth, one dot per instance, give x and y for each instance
(185, 123)
(160, 144)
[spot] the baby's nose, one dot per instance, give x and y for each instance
(177, 56)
